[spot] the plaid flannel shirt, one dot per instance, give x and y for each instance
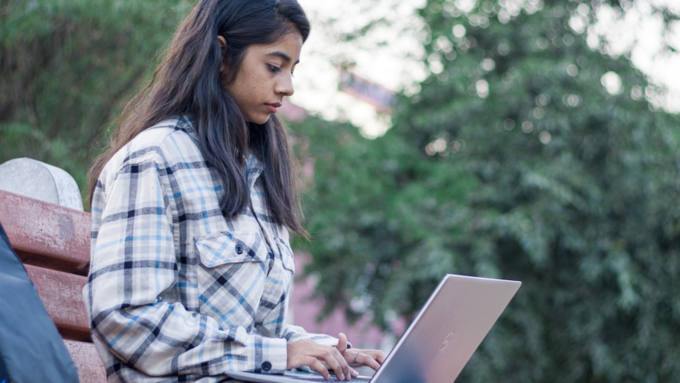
(176, 292)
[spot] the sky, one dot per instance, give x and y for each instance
(391, 53)
(645, 35)
(389, 56)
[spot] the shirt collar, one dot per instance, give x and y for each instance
(253, 169)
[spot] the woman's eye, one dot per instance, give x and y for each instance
(273, 68)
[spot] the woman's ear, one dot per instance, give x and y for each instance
(223, 48)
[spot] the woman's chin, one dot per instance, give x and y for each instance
(259, 119)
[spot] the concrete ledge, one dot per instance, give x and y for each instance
(41, 181)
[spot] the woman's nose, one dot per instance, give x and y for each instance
(285, 86)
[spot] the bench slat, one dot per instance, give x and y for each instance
(90, 367)
(61, 294)
(46, 234)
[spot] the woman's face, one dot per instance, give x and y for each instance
(265, 77)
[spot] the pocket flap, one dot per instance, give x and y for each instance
(231, 247)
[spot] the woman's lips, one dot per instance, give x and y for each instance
(274, 106)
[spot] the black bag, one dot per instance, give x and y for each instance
(31, 349)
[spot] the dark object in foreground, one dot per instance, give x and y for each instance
(31, 349)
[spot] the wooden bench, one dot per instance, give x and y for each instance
(54, 244)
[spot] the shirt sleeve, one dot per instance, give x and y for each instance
(134, 261)
(294, 333)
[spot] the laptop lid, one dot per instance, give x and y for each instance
(442, 338)
(447, 331)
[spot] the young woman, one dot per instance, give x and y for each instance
(191, 264)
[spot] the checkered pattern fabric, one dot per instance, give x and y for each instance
(176, 292)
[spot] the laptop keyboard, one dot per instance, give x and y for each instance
(315, 377)
(333, 379)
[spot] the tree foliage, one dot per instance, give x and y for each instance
(514, 161)
(67, 65)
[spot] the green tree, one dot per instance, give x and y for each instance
(67, 67)
(514, 161)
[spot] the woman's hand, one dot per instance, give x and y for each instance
(356, 357)
(320, 358)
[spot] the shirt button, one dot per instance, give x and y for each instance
(239, 249)
(266, 366)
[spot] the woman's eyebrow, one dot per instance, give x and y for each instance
(283, 56)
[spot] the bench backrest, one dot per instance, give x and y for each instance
(54, 244)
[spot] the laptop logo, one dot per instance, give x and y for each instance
(446, 341)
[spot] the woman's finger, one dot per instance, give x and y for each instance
(381, 357)
(367, 360)
(317, 366)
(342, 362)
(341, 348)
(378, 355)
(342, 343)
(354, 373)
(328, 356)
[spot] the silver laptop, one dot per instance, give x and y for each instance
(439, 342)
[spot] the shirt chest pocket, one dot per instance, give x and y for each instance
(225, 248)
(231, 275)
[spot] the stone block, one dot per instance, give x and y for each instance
(39, 180)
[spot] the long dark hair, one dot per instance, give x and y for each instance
(188, 81)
